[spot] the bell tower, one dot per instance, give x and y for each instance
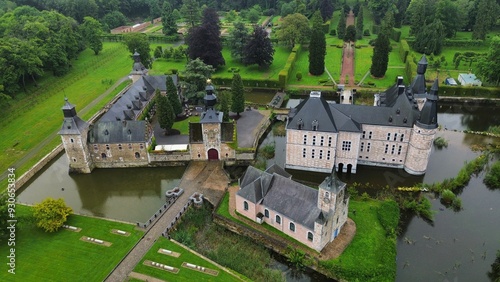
(74, 133)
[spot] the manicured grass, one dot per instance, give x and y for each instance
(34, 117)
(184, 274)
(371, 256)
(62, 256)
(105, 100)
(183, 125)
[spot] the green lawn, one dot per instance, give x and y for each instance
(33, 118)
(183, 125)
(62, 256)
(371, 256)
(184, 274)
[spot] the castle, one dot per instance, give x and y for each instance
(397, 131)
(119, 139)
(313, 217)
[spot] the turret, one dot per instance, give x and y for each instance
(210, 99)
(138, 69)
(418, 84)
(74, 133)
(428, 114)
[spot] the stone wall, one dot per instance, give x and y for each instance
(119, 155)
(160, 156)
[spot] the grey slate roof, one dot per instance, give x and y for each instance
(72, 124)
(118, 132)
(281, 194)
(211, 116)
(274, 168)
(309, 110)
(332, 184)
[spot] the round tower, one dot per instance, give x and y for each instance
(423, 133)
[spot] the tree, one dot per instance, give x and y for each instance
(380, 57)
(237, 95)
(317, 46)
(238, 38)
(223, 104)
(294, 29)
(168, 20)
(165, 111)
(356, 9)
(51, 214)
(494, 274)
(326, 8)
(387, 24)
(158, 53)
(195, 77)
(359, 24)
(419, 14)
(399, 16)
(4, 214)
(447, 11)
(253, 15)
(489, 66)
(139, 42)
(173, 96)
(487, 11)
(91, 31)
(430, 39)
(204, 41)
(341, 26)
(350, 34)
(259, 49)
(114, 19)
(190, 10)
(380, 7)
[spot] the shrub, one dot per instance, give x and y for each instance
(298, 75)
(51, 214)
(366, 32)
(333, 32)
(456, 204)
(267, 151)
(388, 215)
(447, 196)
(492, 178)
(440, 142)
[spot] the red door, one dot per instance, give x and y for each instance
(213, 154)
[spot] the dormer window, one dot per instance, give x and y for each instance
(390, 118)
(300, 123)
(106, 132)
(398, 111)
(405, 120)
(315, 125)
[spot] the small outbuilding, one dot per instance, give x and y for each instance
(469, 79)
(450, 81)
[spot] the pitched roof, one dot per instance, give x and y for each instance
(74, 125)
(312, 109)
(211, 116)
(274, 168)
(119, 132)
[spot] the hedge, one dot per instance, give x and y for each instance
(469, 91)
(151, 38)
(290, 63)
(395, 34)
(456, 42)
(410, 67)
(404, 50)
(253, 83)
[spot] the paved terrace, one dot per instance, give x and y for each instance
(208, 178)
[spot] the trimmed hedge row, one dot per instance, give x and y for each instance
(469, 91)
(254, 83)
(456, 42)
(284, 74)
(151, 38)
(395, 34)
(404, 50)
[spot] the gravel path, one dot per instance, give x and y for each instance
(348, 58)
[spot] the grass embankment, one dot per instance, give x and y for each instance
(184, 274)
(61, 255)
(33, 118)
(197, 231)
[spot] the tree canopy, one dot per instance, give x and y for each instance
(51, 214)
(380, 58)
(237, 40)
(195, 78)
(259, 49)
(164, 111)
(138, 42)
(168, 20)
(326, 9)
(91, 30)
(173, 96)
(489, 66)
(237, 95)
(294, 29)
(317, 46)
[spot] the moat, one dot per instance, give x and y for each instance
(456, 244)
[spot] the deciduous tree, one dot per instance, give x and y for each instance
(139, 42)
(317, 46)
(51, 214)
(294, 29)
(380, 58)
(195, 77)
(237, 95)
(430, 39)
(190, 10)
(91, 31)
(489, 66)
(380, 7)
(259, 49)
(485, 19)
(419, 14)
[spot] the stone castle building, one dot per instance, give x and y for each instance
(119, 139)
(313, 217)
(397, 131)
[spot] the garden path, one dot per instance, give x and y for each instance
(348, 57)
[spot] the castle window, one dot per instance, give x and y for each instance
(300, 124)
(278, 219)
(320, 154)
(137, 155)
(329, 141)
(309, 236)
(266, 213)
(402, 137)
(362, 147)
(368, 147)
(312, 153)
(305, 139)
(245, 205)
(315, 125)
(327, 195)
(71, 140)
(392, 150)
(346, 145)
(314, 140)
(142, 146)
(107, 147)
(388, 136)
(304, 151)
(395, 136)
(399, 150)
(292, 226)
(328, 155)
(74, 160)
(103, 156)
(364, 134)
(120, 147)
(386, 148)
(96, 147)
(322, 138)
(370, 135)
(130, 146)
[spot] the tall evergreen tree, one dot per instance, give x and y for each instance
(489, 66)
(173, 96)
(359, 24)
(165, 112)
(399, 17)
(487, 15)
(259, 49)
(350, 34)
(326, 8)
(419, 14)
(190, 10)
(204, 41)
(430, 39)
(223, 104)
(237, 95)
(380, 58)
(168, 20)
(317, 46)
(341, 26)
(237, 40)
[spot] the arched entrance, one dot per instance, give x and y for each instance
(349, 168)
(340, 168)
(213, 154)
